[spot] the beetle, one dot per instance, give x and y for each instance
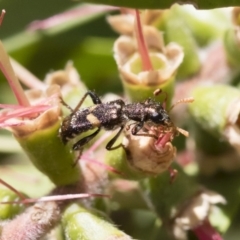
(110, 116)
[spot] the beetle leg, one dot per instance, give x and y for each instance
(138, 127)
(92, 95)
(109, 146)
(79, 144)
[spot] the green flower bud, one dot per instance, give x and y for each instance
(80, 223)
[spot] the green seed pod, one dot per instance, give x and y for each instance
(39, 139)
(232, 47)
(8, 211)
(211, 153)
(204, 25)
(216, 108)
(47, 153)
(118, 160)
(80, 223)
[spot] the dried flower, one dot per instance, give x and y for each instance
(147, 155)
(194, 216)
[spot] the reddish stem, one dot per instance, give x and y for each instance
(76, 13)
(103, 165)
(12, 189)
(27, 77)
(142, 47)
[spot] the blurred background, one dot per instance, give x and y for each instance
(86, 40)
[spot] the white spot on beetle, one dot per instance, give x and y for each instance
(93, 120)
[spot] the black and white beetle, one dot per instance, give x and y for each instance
(110, 116)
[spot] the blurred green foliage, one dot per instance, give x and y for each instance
(87, 41)
(156, 4)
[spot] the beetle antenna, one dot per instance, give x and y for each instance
(65, 104)
(182, 131)
(183, 100)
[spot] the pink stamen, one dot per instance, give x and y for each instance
(8, 72)
(14, 106)
(2, 16)
(84, 157)
(72, 14)
(12, 189)
(162, 140)
(42, 104)
(142, 47)
(5, 125)
(103, 165)
(19, 176)
(127, 11)
(11, 106)
(56, 198)
(48, 100)
(24, 112)
(98, 143)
